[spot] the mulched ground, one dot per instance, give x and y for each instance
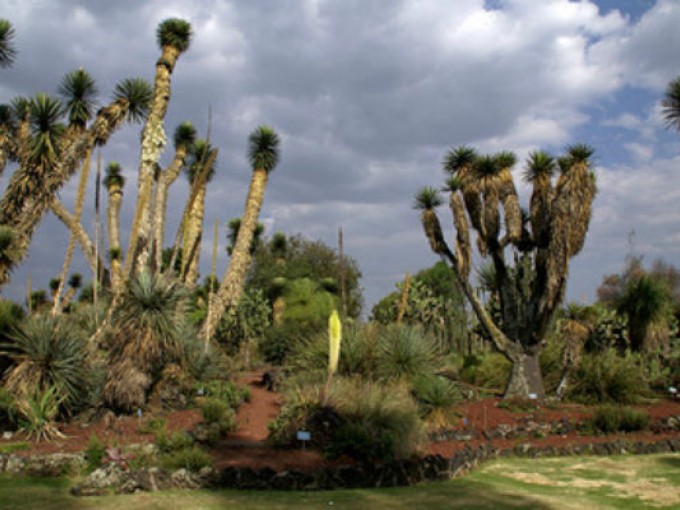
(247, 447)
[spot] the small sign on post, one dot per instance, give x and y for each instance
(303, 436)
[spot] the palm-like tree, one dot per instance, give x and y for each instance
(185, 137)
(463, 249)
(78, 91)
(645, 301)
(31, 190)
(531, 285)
(263, 152)
(671, 104)
(7, 50)
(200, 170)
(173, 36)
(427, 200)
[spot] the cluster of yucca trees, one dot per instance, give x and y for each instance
(530, 250)
(51, 139)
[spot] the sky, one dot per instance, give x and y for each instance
(367, 97)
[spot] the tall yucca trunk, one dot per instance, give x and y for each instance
(82, 236)
(113, 226)
(491, 214)
(585, 185)
(539, 210)
(166, 179)
(78, 209)
(511, 209)
(231, 287)
(192, 246)
(152, 145)
(474, 206)
(463, 248)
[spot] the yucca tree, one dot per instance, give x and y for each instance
(7, 50)
(263, 152)
(173, 36)
(185, 137)
(235, 225)
(75, 282)
(32, 188)
(114, 182)
(200, 170)
(463, 249)
(670, 104)
(530, 285)
(146, 334)
(645, 301)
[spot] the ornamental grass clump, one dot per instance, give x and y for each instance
(379, 421)
(612, 419)
(607, 377)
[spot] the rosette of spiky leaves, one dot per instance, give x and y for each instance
(78, 91)
(46, 130)
(406, 353)
(644, 301)
(8, 255)
(175, 33)
(131, 101)
(263, 148)
(7, 50)
(670, 105)
(461, 163)
(146, 335)
(436, 396)
(427, 200)
(47, 352)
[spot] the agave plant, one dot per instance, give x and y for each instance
(406, 352)
(46, 353)
(38, 412)
(146, 336)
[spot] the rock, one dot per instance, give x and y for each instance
(7, 435)
(56, 464)
(183, 479)
(14, 465)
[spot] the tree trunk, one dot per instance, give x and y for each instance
(191, 247)
(113, 220)
(525, 379)
(231, 287)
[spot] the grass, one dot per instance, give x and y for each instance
(627, 482)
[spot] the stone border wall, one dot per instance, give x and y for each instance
(111, 478)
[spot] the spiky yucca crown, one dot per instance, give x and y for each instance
(174, 32)
(114, 176)
(7, 50)
(427, 198)
(540, 164)
(137, 94)
(79, 91)
(185, 135)
(263, 148)
(458, 158)
(670, 104)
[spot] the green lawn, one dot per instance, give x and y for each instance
(562, 483)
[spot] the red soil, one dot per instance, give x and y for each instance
(247, 447)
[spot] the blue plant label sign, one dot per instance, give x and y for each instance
(303, 435)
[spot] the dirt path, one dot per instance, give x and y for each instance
(252, 417)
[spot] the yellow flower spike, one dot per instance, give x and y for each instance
(334, 337)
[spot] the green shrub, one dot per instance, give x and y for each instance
(49, 353)
(386, 415)
(435, 395)
(217, 411)
(37, 414)
(94, 454)
(192, 459)
(490, 370)
(406, 352)
(153, 425)
(612, 419)
(173, 443)
(608, 378)
(225, 391)
(13, 447)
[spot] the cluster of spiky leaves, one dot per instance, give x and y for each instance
(47, 352)
(671, 104)
(7, 50)
(174, 32)
(263, 148)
